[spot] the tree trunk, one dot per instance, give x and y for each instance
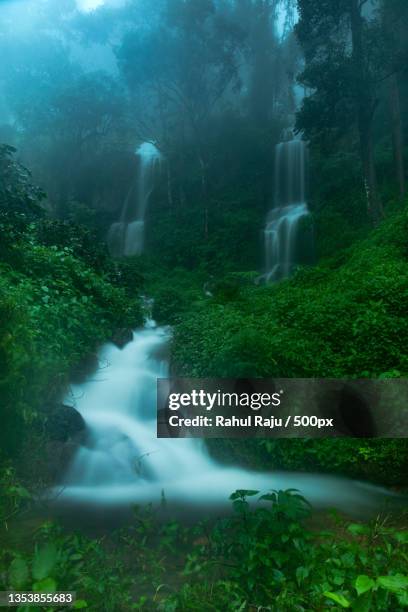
(394, 30)
(365, 112)
(397, 137)
(170, 199)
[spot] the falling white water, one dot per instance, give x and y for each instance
(122, 461)
(126, 237)
(282, 226)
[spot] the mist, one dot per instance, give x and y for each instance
(85, 83)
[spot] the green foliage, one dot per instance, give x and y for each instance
(62, 311)
(56, 300)
(64, 562)
(129, 274)
(178, 238)
(175, 293)
(256, 545)
(345, 318)
(79, 239)
(266, 553)
(327, 321)
(381, 460)
(13, 496)
(265, 557)
(17, 193)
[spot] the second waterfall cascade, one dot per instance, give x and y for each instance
(282, 235)
(126, 237)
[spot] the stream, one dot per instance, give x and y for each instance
(122, 463)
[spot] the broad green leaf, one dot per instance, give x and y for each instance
(339, 599)
(393, 583)
(44, 561)
(268, 497)
(18, 573)
(243, 493)
(80, 604)
(363, 584)
(357, 529)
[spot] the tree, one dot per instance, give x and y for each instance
(65, 119)
(340, 72)
(393, 23)
(179, 73)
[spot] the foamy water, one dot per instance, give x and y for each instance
(123, 462)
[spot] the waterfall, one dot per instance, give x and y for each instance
(281, 234)
(121, 461)
(125, 237)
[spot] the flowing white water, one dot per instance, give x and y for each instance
(122, 461)
(126, 236)
(283, 221)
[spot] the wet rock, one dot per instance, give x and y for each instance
(65, 423)
(121, 337)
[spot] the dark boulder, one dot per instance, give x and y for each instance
(64, 423)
